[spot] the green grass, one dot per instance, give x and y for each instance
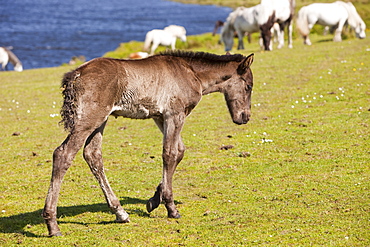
(305, 182)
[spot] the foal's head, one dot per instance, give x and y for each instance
(238, 90)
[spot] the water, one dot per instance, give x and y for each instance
(48, 33)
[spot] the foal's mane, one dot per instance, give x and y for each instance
(204, 56)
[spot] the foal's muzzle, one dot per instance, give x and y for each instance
(242, 119)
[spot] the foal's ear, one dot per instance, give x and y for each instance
(249, 60)
(245, 64)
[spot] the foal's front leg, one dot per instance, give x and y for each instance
(93, 156)
(173, 152)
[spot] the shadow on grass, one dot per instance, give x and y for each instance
(325, 40)
(20, 222)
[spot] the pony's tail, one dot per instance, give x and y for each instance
(70, 90)
(302, 22)
(148, 41)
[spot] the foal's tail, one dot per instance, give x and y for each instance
(302, 22)
(70, 95)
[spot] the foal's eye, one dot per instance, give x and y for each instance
(248, 88)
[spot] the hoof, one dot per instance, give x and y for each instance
(122, 217)
(176, 216)
(152, 204)
(123, 221)
(57, 234)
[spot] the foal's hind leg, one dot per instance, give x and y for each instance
(93, 156)
(62, 160)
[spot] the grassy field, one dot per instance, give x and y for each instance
(298, 174)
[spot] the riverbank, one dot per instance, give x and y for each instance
(50, 34)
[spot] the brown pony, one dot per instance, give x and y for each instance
(164, 87)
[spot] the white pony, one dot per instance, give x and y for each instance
(7, 56)
(276, 11)
(166, 37)
(242, 20)
(335, 14)
(260, 18)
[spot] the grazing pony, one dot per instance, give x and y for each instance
(334, 15)
(240, 21)
(166, 37)
(260, 18)
(6, 56)
(163, 87)
(276, 11)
